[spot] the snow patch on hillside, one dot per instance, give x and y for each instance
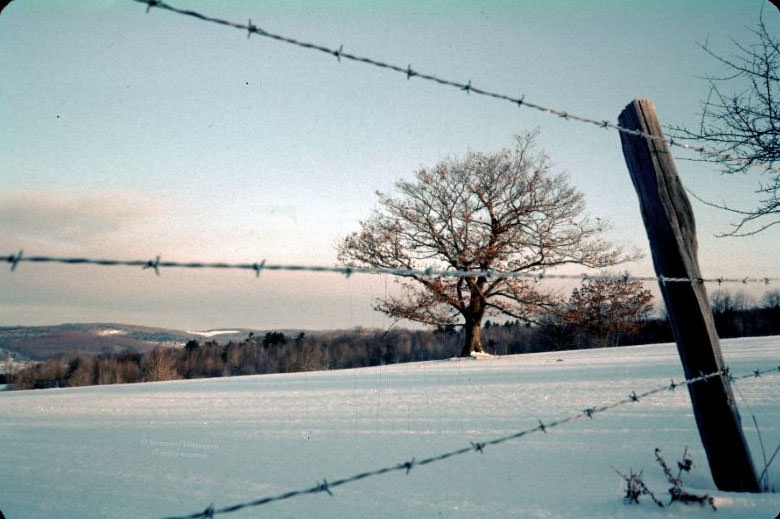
(213, 333)
(108, 332)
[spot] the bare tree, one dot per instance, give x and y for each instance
(771, 299)
(722, 301)
(83, 371)
(159, 364)
(504, 211)
(608, 307)
(741, 117)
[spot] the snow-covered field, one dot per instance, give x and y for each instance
(172, 448)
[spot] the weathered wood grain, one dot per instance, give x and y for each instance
(671, 231)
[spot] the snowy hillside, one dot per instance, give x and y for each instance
(172, 448)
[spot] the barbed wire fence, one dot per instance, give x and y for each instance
(326, 487)
(250, 28)
(157, 264)
(347, 270)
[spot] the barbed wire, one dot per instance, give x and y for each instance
(347, 270)
(326, 486)
(467, 87)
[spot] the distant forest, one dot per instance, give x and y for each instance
(735, 316)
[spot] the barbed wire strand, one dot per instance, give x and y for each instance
(468, 87)
(347, 270)
(326, 486)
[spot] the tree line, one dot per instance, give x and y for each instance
(274, 352)
(735, 313)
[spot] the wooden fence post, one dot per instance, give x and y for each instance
(671, 231)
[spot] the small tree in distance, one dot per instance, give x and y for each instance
(771, 299)
(504, 211)
(607, 307)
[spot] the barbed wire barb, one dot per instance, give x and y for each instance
(258, 267)
(153, 264)
(14, 260)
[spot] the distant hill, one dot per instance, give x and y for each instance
(43, 342)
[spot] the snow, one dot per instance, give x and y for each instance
(481, 355)
(213, 333)
(110, 331)
(172, 448)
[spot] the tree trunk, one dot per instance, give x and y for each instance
(473, 339)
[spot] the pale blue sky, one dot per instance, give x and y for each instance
(124, 134)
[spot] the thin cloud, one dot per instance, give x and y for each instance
(73, 222)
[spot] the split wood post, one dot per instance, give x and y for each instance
(671, 231)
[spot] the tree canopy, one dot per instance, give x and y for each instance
(504, 211)
(608, 307)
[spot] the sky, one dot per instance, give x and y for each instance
(127, 135)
